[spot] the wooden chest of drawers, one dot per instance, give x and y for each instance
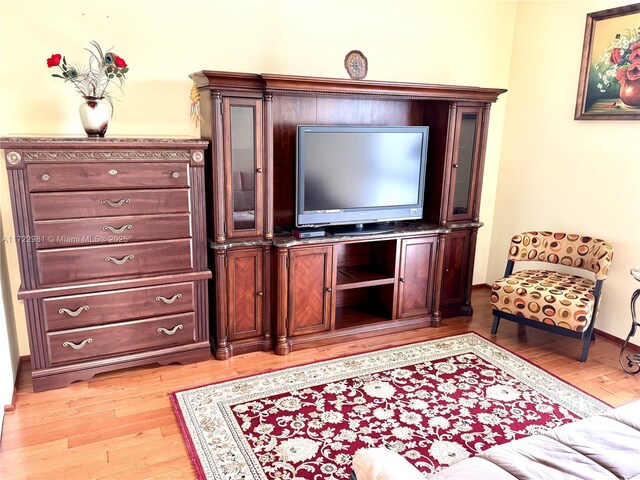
(111, 240)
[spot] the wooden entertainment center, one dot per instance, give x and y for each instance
(274, 291)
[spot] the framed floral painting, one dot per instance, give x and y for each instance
(609, 86)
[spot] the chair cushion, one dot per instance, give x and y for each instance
(546, 296)
(567, 249)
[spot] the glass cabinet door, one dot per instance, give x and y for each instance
(243, 166)
(464, 166)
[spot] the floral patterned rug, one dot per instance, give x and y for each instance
(435, 402)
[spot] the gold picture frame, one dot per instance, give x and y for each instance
(609, 84)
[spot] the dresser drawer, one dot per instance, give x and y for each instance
(61, 233)
(98, 176)
(53, 206)
(62, 313)
(70, 346)
(66, 265)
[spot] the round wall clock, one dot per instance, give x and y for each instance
(356, 64)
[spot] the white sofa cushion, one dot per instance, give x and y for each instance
(601, 447)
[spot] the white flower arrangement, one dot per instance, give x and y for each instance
(620, 61)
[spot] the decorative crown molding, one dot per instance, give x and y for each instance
(107, 155)
(13, 158)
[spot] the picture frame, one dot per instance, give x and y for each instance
(609, 83)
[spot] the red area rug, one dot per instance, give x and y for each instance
(434, 402)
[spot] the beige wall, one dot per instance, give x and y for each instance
(449, 42)
(560, 174)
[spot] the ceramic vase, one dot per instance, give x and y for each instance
(630, 93)
(95, 114)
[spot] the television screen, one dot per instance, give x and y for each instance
(359, 174)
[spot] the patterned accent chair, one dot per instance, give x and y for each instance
(558, 302)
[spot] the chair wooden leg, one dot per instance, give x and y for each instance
(586, 343)
(496, 323)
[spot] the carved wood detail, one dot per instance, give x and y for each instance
(297, 311)
(91, 299)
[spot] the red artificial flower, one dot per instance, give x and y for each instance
(621, 76)
(633, 73)
(615, 57)
(635, 53)
(54, 60)
(120, 63)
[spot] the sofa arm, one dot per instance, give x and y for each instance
(383, 464)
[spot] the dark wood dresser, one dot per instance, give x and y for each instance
(111, 241)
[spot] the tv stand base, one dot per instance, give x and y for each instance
(363, 229)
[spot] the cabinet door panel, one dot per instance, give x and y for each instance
(456, 273)
(465, 163)
(243, 166)
(417, 262)
(246, 296)
(310, 290)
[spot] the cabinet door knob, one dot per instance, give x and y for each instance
(73, 313)
(115, 204)
(170, 331)
(119, 261)
(46, 177)
(260, 294)
(402, 279)
(446, 270)
(175, 174)
(168, 301)
(329, 290)
(455, 165)
(77, 346)
(117, 230)
(258, 170)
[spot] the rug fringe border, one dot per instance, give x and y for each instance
(376, 349)
(186, 436)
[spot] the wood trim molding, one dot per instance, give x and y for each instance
(301, 85)
(614, 339)
(12, 406)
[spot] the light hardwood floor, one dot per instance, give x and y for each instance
(120, 425)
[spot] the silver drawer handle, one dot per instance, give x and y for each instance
(73, 313)
(117, 230)
(79, 345)
(115, 204)
(175, 174)
(119, 261)
(46, 177)
(113, 172)
(170, 332)
(168, 300)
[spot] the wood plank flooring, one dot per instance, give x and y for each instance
(120, 425)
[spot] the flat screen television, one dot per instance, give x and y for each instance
(348, 175)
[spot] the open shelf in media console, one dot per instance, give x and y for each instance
(359, 276)
(350, 316)
(365, 264)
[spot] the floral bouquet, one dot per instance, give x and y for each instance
(92, 81)
(620, 61)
